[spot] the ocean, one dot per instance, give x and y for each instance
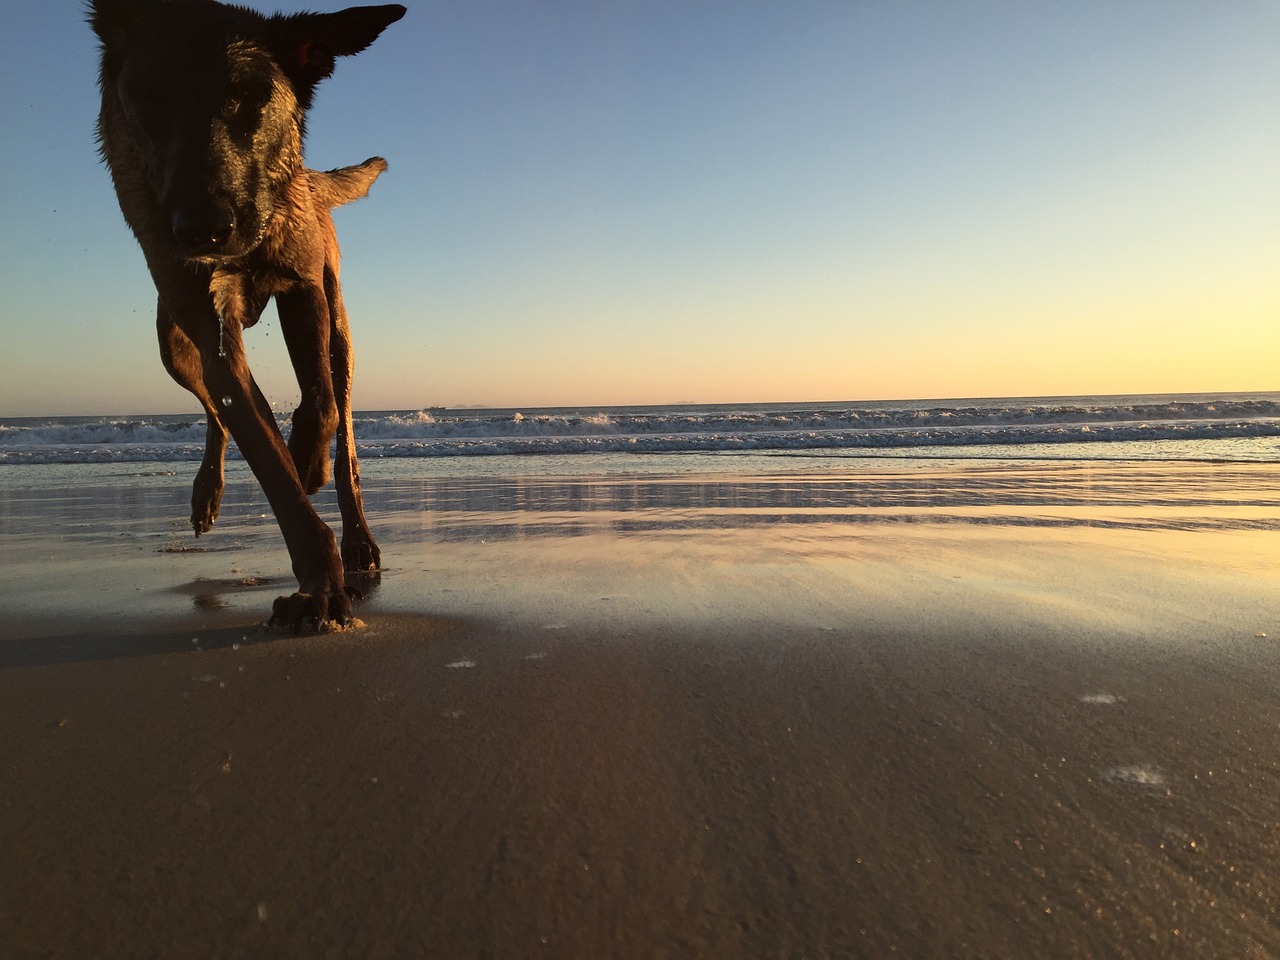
(1224, 427)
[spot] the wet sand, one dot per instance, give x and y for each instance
(940, 713)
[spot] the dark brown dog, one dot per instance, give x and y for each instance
(203, 113)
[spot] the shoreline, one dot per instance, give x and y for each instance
(566, 732)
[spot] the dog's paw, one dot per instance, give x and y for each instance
(360, 553)
(309, 447)
(206, 503)
(317, 613)
(202, 520)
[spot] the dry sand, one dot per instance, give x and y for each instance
(695, 726)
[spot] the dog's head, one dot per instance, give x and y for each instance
(211, 99)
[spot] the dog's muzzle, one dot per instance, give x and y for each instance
(204, 231)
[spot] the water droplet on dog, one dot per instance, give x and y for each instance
(226, 401)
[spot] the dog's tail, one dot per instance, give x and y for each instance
(336, 187)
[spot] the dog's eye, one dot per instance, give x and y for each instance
(243, 104)
(151, 93)
(144, 103)
(143, 92)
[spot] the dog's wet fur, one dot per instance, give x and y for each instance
(203, 114)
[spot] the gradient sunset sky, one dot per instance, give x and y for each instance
(607, 202)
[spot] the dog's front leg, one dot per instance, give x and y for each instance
(182, 360)
(313, 551)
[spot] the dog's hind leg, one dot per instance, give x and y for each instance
(359, 551)
(182, 360)
(330, 189)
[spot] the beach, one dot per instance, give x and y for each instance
(688, 707)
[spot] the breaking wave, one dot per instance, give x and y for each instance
(903, 427)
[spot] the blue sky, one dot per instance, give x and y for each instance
(593, 203)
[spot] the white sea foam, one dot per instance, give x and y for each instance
(1095, 424)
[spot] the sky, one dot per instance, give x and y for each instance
(658, 201)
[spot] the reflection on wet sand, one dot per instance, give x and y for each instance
(97, 545)
(1127, 496)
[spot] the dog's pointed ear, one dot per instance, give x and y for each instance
(114, 20)
(307, 44)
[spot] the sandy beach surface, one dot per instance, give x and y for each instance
(739, 709)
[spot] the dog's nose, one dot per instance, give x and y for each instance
(203, 231)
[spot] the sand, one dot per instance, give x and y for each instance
(954, 712)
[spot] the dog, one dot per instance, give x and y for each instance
(203, 116)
